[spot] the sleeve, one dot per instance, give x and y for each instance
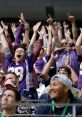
(8, 58)
(80, 73)
(45, 82)
(32, 54)
(47, 57)
(29, 57)
(41, 109)
(80, 82)
(37, 49)
(9, 43)
(19, 34)
(29, 50)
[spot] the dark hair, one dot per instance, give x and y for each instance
(23, 46)
(3, 77)
(17, 94)
(67, 69)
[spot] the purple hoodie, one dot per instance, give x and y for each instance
(72, 55)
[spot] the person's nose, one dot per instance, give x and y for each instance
(51, 87)
(6, 97)
(19, 51)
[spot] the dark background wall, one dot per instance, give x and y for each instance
(39, 9)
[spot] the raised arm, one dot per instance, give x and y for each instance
(35, 31)
(3, 39)
(14, 29)
(26, 29)
(7, 53)
(49, 45)
(74, 28)
(2, 61)
(26, 34)
(54, 32)
(79, 44)
(33, 39)
(43, 36)
(48, 65)
(73, 76)
(60, 31)
(7, 36)
(20, 30)
(66, 31)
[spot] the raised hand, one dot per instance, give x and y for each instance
(81, 30)
(65, 25)
(54, 54)
(26, 26)
(5, 27)
(71, 17)
(22, 19)
(50, 20)
(42, 31)
(49, 28)
(36, 27)
(13, 27)
(59, 26)
(1, 30)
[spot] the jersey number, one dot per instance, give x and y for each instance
(18, 71)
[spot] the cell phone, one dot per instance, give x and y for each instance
(56, 25)
(55, 52)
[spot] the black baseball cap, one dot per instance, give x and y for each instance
(65, 68)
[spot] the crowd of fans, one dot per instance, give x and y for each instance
(46, 68)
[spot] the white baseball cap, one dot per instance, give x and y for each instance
(63, 79)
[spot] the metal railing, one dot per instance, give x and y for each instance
(28, 108)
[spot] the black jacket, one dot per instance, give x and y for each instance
(47, 110)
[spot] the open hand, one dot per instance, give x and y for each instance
(36, 27)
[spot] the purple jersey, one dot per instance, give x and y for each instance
(80, 77)
(72, 55)
(22, 70)
(39, 64)
(0, 67)
(19, 34)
